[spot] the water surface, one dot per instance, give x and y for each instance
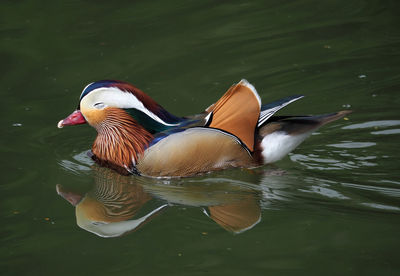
(330, 207)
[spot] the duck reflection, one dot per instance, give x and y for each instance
(116, 205)
(110, 207)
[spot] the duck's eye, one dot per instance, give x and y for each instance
(98, 223)
(99, 105)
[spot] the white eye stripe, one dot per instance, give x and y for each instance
(114, 97)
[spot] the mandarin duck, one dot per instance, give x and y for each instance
(136, 135)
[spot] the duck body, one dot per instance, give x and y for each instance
(137, 135)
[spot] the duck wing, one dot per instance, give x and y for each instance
(237, 112)
(267, 110)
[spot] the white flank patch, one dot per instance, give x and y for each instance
(244, 82)
(114, 97)
(278, 144)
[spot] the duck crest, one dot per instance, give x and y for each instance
(120, 141)
(167, 119)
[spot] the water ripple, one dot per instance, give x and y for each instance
(313, 161)
(386, 132)
(382, 206)
(324, 192)
(373, 124)
(393, 192)
(81, 163)
(353, 145)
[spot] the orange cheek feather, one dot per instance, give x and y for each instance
(94, 116)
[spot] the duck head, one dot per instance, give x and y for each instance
(125, 119)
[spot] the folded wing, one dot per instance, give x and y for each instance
(237, 112)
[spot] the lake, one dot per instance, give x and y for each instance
(330, 207)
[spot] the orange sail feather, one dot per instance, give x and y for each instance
(237, 112)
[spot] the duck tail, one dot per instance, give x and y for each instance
(282, 134)
(268, 110)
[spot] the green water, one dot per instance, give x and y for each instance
(330, 208)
